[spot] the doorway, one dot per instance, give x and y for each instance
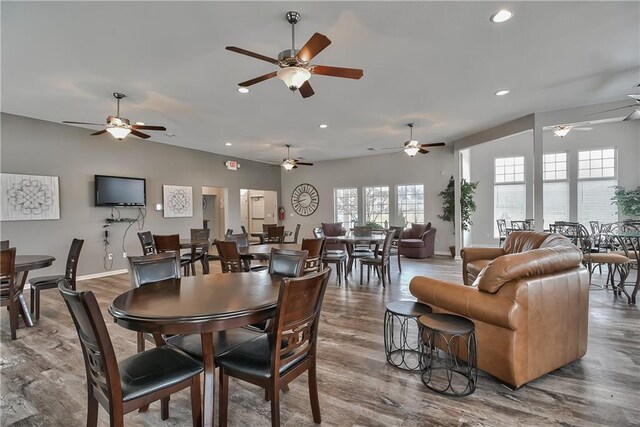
(258, 207)
(214, 210)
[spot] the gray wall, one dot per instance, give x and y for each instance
(623, 135)
(38, 147)
(433, 170)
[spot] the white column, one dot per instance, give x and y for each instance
(538, 150)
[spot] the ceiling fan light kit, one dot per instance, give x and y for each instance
(293, 77)
(562, 131)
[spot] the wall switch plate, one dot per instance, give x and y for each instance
(110, 257)
(124, 254)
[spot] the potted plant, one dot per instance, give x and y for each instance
(468, 205)
(628, 201)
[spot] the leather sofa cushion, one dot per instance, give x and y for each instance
(522, 241)
(155, 369)
(536, 262)
(475, 267)
(412, 243)
(332, 229)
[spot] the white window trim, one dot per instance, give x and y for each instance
(600, 178)
(335, 204)
(424, 200)
(567, 170)
(524, 170)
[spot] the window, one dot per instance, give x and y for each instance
(346, 206)
(597, 175)
(555, 188)
(410, 204)
(597, 163)
(509, 190)
(376, 205)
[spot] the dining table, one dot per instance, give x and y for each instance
(201, 305)
(263, 252)
(24, 264)
(262, 235)
(195, 244)
(630, 243)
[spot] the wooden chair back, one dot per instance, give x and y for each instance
(230, 260)
(242, 240)
(265, 227)
(287, 263)
(71, 267)
(386, 246)
(168, 243)
(275, 234)
(8, 274)
(103, 378)
(200, 233)
(147, 243)
(315, 249)
(154, 268)
(295, 234)
(4, 244)
(362, 231)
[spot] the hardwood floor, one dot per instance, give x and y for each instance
(43, 377)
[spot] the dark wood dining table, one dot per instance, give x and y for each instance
(262, 235)
(195, 244)
(24, 264)
(263, 252)
(199, 305)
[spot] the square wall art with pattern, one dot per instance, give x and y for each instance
(178, 201)
(29, 197)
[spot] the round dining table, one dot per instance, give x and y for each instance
(199, 305)
(24, 264)
(263, 252)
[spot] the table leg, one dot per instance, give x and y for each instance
(208, 387)
(24, 309)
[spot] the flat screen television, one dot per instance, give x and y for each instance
(120, 191)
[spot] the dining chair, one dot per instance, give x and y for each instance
(147, 243)
(359, 251)
(395, 244)
(4, 244)
(315, 249)
(38, 284)
(333, 256)
(519, 225)
(286, 262)
(132, 383)
(502, 230)
(275, 234)
(529, 224)
(265, 227)
(592, 257)
(273, 360)
(171, 243)
(149, 269)
(201, 253)
(382, 263)
(295, 236)
(230, 260)
(8, 294)
(241, 239)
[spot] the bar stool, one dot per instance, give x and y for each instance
(449, 361)
(401, 323)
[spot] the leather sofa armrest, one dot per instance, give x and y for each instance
(473, 254)
(466, 301)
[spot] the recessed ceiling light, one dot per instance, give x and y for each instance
(501, 16)
(228, 144)
(502, 92)
(243, 89)
(322, 126)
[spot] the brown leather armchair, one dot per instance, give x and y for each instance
(531, 309)
(418, 241)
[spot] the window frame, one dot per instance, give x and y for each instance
(596, 178)
(335, 204)
(365, 215)
(424, 201)
(495, 171)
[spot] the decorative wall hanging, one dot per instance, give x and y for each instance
(305, 199)
(178, 201)
(29, 197)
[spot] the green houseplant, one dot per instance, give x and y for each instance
(628, 201)
(467, 204)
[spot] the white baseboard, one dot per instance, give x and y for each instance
(101, 274)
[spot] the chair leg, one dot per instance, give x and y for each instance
(313, 394)
(361, 273)
(389, 272)
(384, 273)
(193, 268)
(275, 406)
(368, 272)
(13, 307)
(140, 341)
(37, 304)
(224, 398)
(399, 266)
(32, 299)
(196, 407)
(164, 408)
(92, 411)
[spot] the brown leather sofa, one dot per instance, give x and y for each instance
(418, 241)
(530, 308)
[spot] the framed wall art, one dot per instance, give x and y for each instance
(178, 201)
(29, 197)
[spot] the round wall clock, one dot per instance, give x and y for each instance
(305, 199)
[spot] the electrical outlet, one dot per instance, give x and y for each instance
(110, 257)
(124, 254)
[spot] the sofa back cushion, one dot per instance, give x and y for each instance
(332, 229)
(535, 262)
(418, 229)
(522, 241)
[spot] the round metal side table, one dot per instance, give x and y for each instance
(402, 334)
(449, 360)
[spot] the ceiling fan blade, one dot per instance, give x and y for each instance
(316, 44)
(613, 109)
(252, 54)
(147, 127)
(306, 90)
(140, 134)
(633, 116)
(258, 79)
(581, 128)
(634, 96)
(392, 148)
(423, 151)
(348, 73)
(100, 132)
(294, 167)
(304, 163)
(435, 144)
(82, 123)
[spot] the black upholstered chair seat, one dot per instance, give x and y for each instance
(222, 341)
(253, 358)
(46, 281)
(154, 370)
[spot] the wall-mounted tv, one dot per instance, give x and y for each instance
(120, 191)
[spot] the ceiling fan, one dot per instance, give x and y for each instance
(118, 126)
(295, 69)
(635, 115)
(562, 130)
(290, 163)
(413, 147)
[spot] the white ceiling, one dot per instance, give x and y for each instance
(437, 64)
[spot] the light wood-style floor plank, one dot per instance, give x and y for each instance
(43, 377)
